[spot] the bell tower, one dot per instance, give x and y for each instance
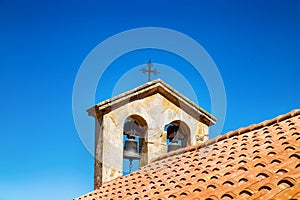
(152, 119)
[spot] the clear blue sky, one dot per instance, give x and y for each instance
(255, 45)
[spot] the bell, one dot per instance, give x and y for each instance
(130, 150)
(174, 142)
(173, 146)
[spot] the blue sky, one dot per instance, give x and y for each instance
(255, 45)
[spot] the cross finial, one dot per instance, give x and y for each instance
(149, 70)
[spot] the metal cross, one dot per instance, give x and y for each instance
(149, 71)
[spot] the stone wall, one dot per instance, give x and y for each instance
(157, 111)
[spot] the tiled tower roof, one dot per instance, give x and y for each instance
(261, 161)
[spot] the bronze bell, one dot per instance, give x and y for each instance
(174, 141)
(130, 148)
(173, 146)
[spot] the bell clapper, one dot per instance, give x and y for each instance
(130, 165)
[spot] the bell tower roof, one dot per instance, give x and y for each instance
(150, 88)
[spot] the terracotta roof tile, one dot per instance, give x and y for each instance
(261, 161)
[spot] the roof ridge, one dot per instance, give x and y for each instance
(150, 88)
(229, 134)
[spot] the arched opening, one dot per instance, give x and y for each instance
(134, 143)
(178, 132)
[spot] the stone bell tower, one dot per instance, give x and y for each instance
(153, 108)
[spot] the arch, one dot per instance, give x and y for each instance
(140, 127)
(137, 122)
(184, 132)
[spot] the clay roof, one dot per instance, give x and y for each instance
(261, 161)
(151, 88)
